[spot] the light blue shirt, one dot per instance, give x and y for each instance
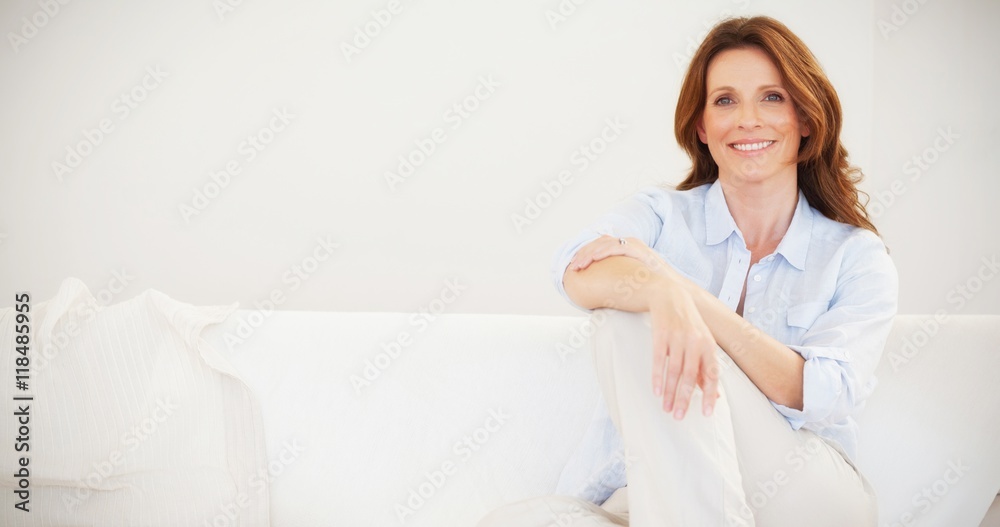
(829, 292)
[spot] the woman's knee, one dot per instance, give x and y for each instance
(618, 331)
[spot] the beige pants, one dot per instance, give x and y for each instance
(742, 466)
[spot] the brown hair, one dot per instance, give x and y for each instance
(824, 175)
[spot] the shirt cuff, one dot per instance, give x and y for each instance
(561, 261)
(824, 383)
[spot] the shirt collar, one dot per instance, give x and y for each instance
(795, 244)
(720, 225)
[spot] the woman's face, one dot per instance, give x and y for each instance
(749, 123)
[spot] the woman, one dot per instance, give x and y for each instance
(769, 297)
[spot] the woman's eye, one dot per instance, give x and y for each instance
(775, 97)
(722, 101)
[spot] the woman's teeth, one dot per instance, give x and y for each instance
(749, 147)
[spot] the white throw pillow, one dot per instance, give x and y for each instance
(135, 420)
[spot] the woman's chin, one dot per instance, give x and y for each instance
(757, 177)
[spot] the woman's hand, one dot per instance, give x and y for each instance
(606, 246)
(679, 332)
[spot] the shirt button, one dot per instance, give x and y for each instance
(756, 278)
(751, 309)
(770, 258)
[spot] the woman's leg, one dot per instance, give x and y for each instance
(792, 475)
(681, 473)
(743, 465)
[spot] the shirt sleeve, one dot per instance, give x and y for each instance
(640, 216)
(844, 342)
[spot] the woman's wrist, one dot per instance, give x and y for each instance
(665, 282)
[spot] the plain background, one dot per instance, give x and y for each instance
(915, 79)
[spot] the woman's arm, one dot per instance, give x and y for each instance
(686, 320)
(773, 367)
(628, 278)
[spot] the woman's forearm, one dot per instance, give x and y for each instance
(628, 284)
(772, 366)
(617, 282)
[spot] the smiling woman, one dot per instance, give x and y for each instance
(769, 295)
(779, 60)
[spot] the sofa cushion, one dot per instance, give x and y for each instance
(407, 419)
(929, 432)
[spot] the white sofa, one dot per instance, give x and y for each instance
(387, 419)
(425, 430)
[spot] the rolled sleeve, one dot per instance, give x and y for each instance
(843, 344)
(640, 216)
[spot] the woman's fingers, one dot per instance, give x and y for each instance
(596, 250)
(709, 384)
(674, 364)
(600, 249)
(680, 367)
(659, 364)
(688, 378)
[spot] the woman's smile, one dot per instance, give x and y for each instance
(751, 147)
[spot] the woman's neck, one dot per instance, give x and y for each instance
(762, 211)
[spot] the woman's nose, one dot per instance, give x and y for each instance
(749, 116)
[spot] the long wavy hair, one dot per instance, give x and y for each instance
(825, 177)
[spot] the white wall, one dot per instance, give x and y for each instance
(323, 175)
(936, 78)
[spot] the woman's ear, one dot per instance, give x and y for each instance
(700, 126)
(804, 126)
